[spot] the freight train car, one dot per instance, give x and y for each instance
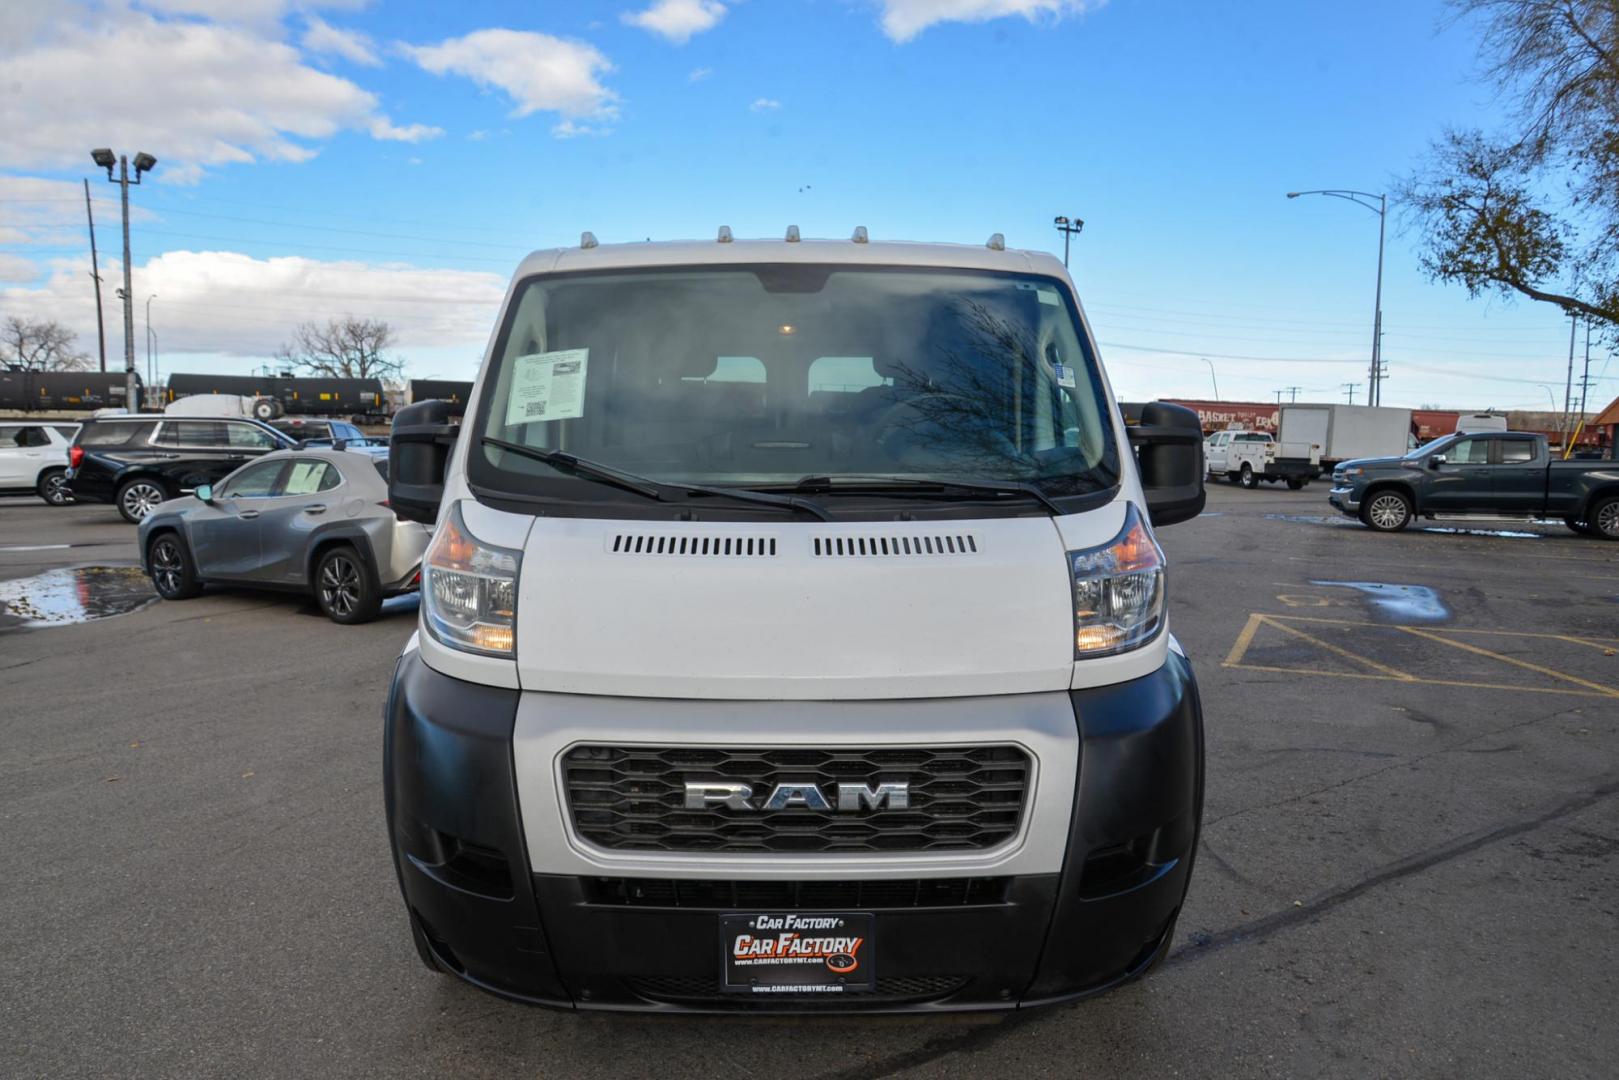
(1224, 415)
(456, 393)
(298, 396)
(62, 391)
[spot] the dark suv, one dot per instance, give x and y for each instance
(136, 462)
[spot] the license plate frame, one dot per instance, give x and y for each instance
(809, 953)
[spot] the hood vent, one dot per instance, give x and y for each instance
(679, 544)
(903, 544)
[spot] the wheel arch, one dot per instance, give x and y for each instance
(339, 535)
(156, 533)
(1377, 487)
(1596, 495)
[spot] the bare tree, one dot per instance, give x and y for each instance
(346, 348)
(1533, 211)
(46, 345)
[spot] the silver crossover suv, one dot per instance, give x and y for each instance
(303, 520)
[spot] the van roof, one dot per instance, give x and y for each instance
(718, 252)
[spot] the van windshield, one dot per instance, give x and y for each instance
(766, 377)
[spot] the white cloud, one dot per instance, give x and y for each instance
(537, 71)
(382, 128)
(17, 268)
(902, 20)
(567, 129)
(677, 20)
(228, 303)
(195, 94)
(322, 37)
(256, 11)
(765, 104)
(699, 74)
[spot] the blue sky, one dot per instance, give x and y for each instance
(398, 159)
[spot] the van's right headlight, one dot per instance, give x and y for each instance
(469, 590)
(1118, 591)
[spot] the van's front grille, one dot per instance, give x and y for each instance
(959, 798)
(863, 895)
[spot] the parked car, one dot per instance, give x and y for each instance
(311, 521)
(1492, 476)
(1247, 457)
(325, 433)
(33, 460)
(138, 461)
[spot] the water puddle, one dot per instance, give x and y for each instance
(1404, 602)
(1455, 531)
(77, 594)
(1315, 519)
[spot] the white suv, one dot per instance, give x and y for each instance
(33, 460)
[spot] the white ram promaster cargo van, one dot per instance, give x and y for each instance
(794, 637)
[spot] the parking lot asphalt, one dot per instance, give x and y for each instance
(1409, 862)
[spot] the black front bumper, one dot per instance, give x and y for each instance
(478, 912)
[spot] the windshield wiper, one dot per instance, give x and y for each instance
(657, 490)
(926, 486)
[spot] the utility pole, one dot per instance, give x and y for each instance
(144, 162)
(1294, 392)
(1585, 376)
(95, 273)
(151, 340)
(1568, 382)
(1351, 387)
(1069, 227)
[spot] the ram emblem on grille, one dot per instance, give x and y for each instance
(738, 795)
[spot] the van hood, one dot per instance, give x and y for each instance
(778, 610)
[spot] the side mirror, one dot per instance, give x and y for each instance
(1436, 461)
(418, 452)
(1169, 454)
(205, 493)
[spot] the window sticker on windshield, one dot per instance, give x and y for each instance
(1049, 296)
(1065, 375)
(547, 386)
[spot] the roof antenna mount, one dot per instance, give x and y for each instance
(587, 240)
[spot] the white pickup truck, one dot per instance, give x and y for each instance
(1247, 457)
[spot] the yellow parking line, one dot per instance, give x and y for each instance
(1345, 653)
(1421, 682)
(1582, 638)
(1607, 691)
(1244, 639)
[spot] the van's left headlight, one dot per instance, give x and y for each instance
(469, 590)
(1118, 591)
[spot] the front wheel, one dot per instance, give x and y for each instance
(344, 587)
(53, 487)
(173, 574)
(138, 498)
(1247, 478)
(1387, 511)
(1603, 523)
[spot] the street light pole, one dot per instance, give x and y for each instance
(1069, 227)
(1212, 379)
(1374, 391)
(144, 162)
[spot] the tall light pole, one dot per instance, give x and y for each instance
(144, 163)
(1374, 391)
(1069, 227)
(1212, 379)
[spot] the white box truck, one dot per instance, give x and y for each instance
(1343, 432)
(793, 637)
